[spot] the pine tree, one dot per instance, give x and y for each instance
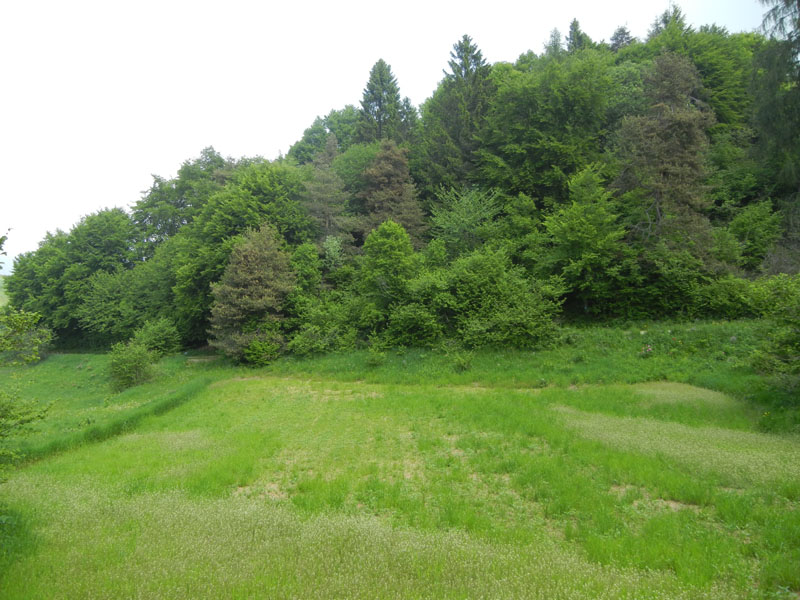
(325, 197)
(663, 152)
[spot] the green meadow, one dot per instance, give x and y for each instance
(597, 469)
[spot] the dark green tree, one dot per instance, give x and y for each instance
(464, 220)
(259, 192)
(380, 105)
(663, 156)
(577, 39)
(389, 193)
(325, 198)
(54, 279)
(546, 123)
(451, 119)
(672, 17)
(389, 263)
(584, 245)
(620, 38)
(312, 142)
(172, 203)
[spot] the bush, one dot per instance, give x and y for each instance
(496, 305)
(727, 298)
(779, 299)
(413, 325)
(131, 364)
(261, 352)
(160, 337)
(22, 338)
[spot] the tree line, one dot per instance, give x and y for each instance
(592, 180)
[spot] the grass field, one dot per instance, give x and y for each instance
(587, 471)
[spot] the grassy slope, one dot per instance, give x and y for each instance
(304, 480)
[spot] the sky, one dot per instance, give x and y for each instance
(98, 96)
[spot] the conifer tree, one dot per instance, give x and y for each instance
(325, 197)
(248, 299)
(390, 193)
(380, 105)
(620, 38)
(451, 119)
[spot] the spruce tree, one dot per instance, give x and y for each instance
(451, 119)
(380, 106)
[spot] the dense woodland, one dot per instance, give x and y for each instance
(618, 179)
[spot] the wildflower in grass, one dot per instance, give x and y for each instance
(646, 352)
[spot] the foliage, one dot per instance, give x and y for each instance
(389, 193)
(546, 122)
(381, 112)
(170, 204)
(779, 298)
(389, 263)
(326, 327)
(450, 121)
(584, 246)
(160, 337)
(757, 228)
(54, 280)
(464, 220)
(664, 149)
(23, 338)
(131, 364)
(325, 198)
(505, 167)
(249, 297)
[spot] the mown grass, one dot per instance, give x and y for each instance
(416, 481)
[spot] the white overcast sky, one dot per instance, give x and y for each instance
(98, 96)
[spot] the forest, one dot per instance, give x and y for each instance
(594, 181)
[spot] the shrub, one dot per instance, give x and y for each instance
(160, 337)
(131, 364)
(375, 357)
(260, 352)
(779, 299)
(496, 305)
(413, 325)
(727, 297)
(22, 338)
